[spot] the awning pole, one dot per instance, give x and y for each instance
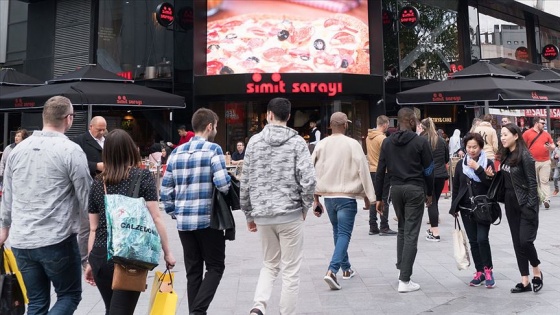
(486, 107)
(5, 140)
(89, 114)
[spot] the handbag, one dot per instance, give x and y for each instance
(483, 209)
(221, 216)
(460, 247)
(496, 190)
(163, 299)
(132, 237)
(12, 290)
(128, 278)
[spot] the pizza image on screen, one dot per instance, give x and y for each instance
(264, 43)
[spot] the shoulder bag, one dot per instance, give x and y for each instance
(12, 289)
(483, 209)
(132, 237)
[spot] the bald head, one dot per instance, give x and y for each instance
(97, 127)
(407, 119)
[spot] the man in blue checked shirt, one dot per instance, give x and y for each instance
(193, 169)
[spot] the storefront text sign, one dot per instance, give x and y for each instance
(19, 103)
(279, 86)
(442, 119)
(554, 113)
(550, 52)
(165, 14)
(409, 16)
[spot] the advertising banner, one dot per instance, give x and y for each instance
(287, 36)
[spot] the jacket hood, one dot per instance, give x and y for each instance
(485, 124)
(277, 135)
(456, 133)
(402, 137)
(372, 133)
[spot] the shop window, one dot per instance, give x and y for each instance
(131, 41)
(427, 50)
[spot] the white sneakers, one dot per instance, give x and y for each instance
(408, 286)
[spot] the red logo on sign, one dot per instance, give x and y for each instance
(124, 101)
(18, 102)
(279, 86)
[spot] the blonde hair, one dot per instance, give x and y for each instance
(430, 132)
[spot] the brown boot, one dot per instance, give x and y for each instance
(555, 192)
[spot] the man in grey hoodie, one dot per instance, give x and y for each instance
(277, 186)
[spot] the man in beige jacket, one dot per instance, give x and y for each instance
(488, 133)
(342, 176)
(374, 140)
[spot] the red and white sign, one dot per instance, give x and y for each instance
(554, 113)
(279, 86)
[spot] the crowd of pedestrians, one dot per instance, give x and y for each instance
(281, 179)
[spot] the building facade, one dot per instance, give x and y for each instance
(47, 38)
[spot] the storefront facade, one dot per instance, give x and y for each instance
(44, 39)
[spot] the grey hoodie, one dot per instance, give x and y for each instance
(277, 179)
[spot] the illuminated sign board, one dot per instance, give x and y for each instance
(277, 85)
(522, 53)
(165, 14)
(261, 36)
(409, 16)
(550, 52)
(387, 19)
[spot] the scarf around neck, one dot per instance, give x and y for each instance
(469, 172)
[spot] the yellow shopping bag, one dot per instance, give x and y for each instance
(163, 299)
(10, 265)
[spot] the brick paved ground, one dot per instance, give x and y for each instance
(444, 289)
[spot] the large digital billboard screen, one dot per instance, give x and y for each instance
(287, 36)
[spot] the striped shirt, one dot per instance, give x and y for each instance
(193, 169)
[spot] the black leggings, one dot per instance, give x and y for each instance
(117, 302)
(523, 234)
(433, 211)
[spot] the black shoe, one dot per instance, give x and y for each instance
(387, 231)
(519, 288)
(537, 283)
(373, 230)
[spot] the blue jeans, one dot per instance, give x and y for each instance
(58, 264)
(342, 213)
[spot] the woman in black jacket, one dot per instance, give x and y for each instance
(440, 154)
(474, 169)
(521, 199)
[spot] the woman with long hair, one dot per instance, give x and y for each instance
(121, 159)
(475, 170)
(21, 134)
(522, 205)
(440, 155)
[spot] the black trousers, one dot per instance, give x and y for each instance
(478, 239)
(385, 197)
(523, 234)
(408, 201)
(200, 248)
(433, 210)
(116, 302)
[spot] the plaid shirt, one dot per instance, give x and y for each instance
(193, 169)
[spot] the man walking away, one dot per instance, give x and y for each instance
(408, 160)
(342, 176)
(277, 186)
(540, 144)
(193, 169)
(91, 142)
(46, 186)
(373, 143)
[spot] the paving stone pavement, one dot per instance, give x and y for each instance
(444, 289)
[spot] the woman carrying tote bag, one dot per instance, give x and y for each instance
(475, 170)
(121, 159)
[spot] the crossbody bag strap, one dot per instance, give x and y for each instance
(134, 189)
(535, 139)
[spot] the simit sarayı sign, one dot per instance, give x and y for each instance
(277, 85)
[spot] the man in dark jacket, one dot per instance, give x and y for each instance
(407, 158)
(91, 142)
